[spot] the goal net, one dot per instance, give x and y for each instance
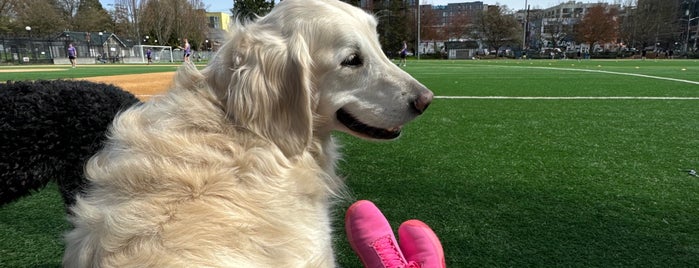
(158, 53)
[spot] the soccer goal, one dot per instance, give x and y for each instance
(158, 53)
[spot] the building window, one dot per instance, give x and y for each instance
(215, 22)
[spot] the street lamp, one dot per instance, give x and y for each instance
(88, 38)
(29, 32)
(526, 26)
(417, 49)
(101, 43)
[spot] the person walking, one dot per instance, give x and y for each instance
(403, 54)
(72, 54)
(149, 53)
(187, 50)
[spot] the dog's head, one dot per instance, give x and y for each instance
(310, 67)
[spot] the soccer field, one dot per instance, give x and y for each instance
(534, 163)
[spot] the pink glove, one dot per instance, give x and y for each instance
(372, 239)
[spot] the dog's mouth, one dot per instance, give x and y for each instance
(372, 132)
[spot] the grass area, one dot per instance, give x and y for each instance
(31, 230)
(49, 72)
(510, 182)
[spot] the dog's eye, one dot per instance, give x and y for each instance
(352, 61)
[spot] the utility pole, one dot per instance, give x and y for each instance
(417, 49)
(525, 26)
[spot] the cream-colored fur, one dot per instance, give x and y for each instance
(234, 166)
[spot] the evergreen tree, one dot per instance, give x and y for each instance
(6, 15)
(393, 26)
(91, 17)
(44, 17)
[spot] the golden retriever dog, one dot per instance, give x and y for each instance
(234, 165)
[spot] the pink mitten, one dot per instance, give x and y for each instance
(371, 237)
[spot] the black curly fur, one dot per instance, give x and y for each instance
(48, 130)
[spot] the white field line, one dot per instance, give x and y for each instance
(573, 98)
(583, 98)
(591, 71)
(617, 73)
(564, 98)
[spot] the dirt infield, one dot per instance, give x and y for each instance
(143, 86)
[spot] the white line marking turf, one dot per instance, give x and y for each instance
(595, 71)
(564, 98)
(617, 73)
(581, 97)
(577, 97)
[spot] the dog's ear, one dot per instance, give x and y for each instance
(263, 80)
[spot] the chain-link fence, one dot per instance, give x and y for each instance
(54, 50)
(28, 50)
(98, 49)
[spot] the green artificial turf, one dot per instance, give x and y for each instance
(31, 230)
(509, 182)
(49, 72)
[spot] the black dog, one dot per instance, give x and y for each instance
(48, 130)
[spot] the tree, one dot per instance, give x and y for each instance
(429, 25)
(43, 16)
(496, 28)
(158, 21)
(127, 14)
(458, 26)
(398, 26)
(430, 28)
(197, 23)
(652, 21)
(250, 9)
(6, 15)
(91, 17)
(598, 26)
(68, 9)
(170, 21)
(393, 25)
(353, 2)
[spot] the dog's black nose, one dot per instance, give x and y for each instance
(420, 104)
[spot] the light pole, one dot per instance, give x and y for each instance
(417, 49)
(29, 33)
(88, 38)
(525, 28)
(101, 44)
(689, 20)
(690, 6)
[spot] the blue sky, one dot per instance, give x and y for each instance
(225, 5)
(212, 5)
